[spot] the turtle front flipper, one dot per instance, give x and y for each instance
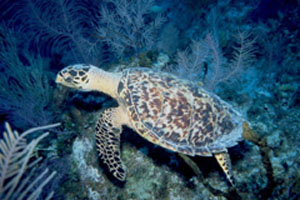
(225, 163)
(108, 132)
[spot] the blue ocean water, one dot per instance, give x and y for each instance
(245, 52)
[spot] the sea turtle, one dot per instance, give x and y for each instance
(170, 112)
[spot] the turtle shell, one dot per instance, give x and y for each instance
(178, 115)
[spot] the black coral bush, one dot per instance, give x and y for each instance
(126, 26)
(56, 27)
(26, 93)
(16, 178)
(83, 30)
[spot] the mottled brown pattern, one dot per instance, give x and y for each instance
(74, 75)
(174, 113)
(108, 143)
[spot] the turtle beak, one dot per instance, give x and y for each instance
(59, 78)
(65, 80)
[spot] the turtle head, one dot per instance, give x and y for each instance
(76, 76)
(89, 78)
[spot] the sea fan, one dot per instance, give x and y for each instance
(16, 179)
(242, 56)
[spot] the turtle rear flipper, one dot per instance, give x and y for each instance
(225, 163)
(108, 142)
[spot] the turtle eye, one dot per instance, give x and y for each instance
(68, 80)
